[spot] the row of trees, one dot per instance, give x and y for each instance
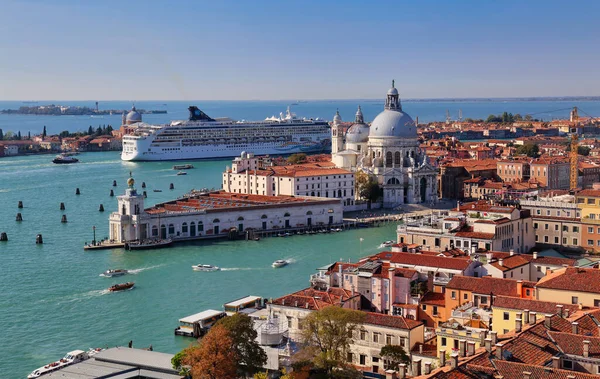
(507, 118)
(230, 350)
(99, 131)
(533, 150)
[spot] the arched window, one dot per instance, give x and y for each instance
(393, 181)
(397, 158)
(412, 154)
(312, 193)
(309, 212)
(200, 226)
(240, 218)
(263, 216)
(171, 229)
(388, 159)
(339, 193)
(287, 214)
(124, 211)
(163, 231)
(184, 227)
(216, 221)
(344, 193)
(154, 230)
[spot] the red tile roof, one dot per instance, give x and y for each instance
(314, 299)
(487, 285)
(573, 279)
(434, 298)
(514, 370)
(538, 306)
(572, 344)
(412, 259)
(396, 322)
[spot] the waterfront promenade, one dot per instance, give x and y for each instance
(54, 301)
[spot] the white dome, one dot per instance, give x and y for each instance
(392, 91)
(392, 123)
(134, 116)
(358, 133)
(337, 118)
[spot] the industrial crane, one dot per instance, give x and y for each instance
(574, 147)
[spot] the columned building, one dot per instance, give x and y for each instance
(389, 150)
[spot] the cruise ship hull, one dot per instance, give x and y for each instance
(144, 153)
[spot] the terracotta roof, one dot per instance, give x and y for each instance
(572, 344)
(510, 262)
(396, 322)
(434, 298)
(514, 370)
(538, 306)
(487, 285)
(312, 299)
(476, 235)
(589, 193)
(400, 258)
(573, 279)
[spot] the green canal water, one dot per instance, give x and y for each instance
(52, 299)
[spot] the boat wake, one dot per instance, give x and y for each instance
(239, 268)
(77, 297)
(138, 270)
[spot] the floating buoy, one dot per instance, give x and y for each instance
(112, 193)
(63, 219)
(145, 194)
(3, 237)
(19, 217)
(114, 183)
(77, 191)
(101, 209)
(39, 240)
(20, 205)
(171, 186)
(143, 184)
(62, 206)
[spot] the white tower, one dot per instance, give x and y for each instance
(125, 222)
(337, 134)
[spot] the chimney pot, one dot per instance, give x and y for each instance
(555, 362)
(548, 321)
(518, 325)
(575, 327)
(462, 344)
(559, 310)
(427, 368)
(499, 351)
(416, 367)
(470, 348)
(501, 262)
(512, 252)
(532, 317)
(586, 348)
(421, 349)
(494, 335)
(535, 255)
(525, 316)
(488, 345)
(454, 360)
(402, 370)
(526, 375)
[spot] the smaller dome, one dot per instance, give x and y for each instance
(133, 116)
(392, 91)
(130, 182)
(337, 118)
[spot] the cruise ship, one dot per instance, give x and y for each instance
(202, 137)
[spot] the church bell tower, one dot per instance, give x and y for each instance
(337, 134)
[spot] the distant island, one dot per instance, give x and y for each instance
(60, 110)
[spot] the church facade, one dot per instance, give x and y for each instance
(388, 150)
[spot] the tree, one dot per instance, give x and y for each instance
(214, 357)
(90, 131)
(528, 117)
(177, 362)
(250, 357)
(28, 135)
(493, 118)
(518, 117)
(327, 334)
(530, 149)
(366, 186)
(296, 158)
(393, 355)
(581, 150)
(19, 135)
(44, 132)
(1, 135)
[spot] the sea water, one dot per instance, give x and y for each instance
(53, 299)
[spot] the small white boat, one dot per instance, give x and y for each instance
(111, 273)
(208, 268)
(279, 263)
(182, 173)
(387, 244)
(71, 357)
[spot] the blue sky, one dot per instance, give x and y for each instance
(199, 50)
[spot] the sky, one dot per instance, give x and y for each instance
(309, 49)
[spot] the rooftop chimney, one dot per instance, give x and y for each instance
(416, 367)
(555, 362)
(526, 316)
(501, 262)
(512, 252)
(548, 321)
(575, 327)
(520, 288)
(518, 325)
(462, 347)
(402, 370)
(420, 348)
(470, 348)
(499, 351)
(535, 255)
(526, 375)
(532, 317)
(494, 335)
(559, 310)
(454, 360)
(442, 355)
(488, 345)
(427, 368)
(586, 349)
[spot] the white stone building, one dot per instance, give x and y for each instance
(216, 214)
(256, 175)
(389, 150)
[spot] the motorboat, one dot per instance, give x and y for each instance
(148, 244)
(182, 173)
(183, 167)
(74, 356)
(387, 243)
(111, 273)
(279, 263)
(64, 159)
(157, 190)
(121, 287)
(201, 267)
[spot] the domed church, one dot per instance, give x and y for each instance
(389, 150)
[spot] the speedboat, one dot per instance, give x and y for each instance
(64, 159)
(148, 244)
(121, 287)
(387, 243)
(157, 190)
(202, 267)
(71, 357)
(279, 263)
(182, 173)
(111, 273)
(183, 167)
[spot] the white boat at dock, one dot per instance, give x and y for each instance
(148, 244)
(198, 324)
(71, 357)
(113, 273)
(279, 263)
(183, 167)
(208, 268)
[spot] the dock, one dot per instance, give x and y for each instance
(104, 245)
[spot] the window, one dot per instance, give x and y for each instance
(453, 294)
(565, 228)
(466, 296)
(506, 316)
(556, 241)
(388, 339)
(363, 335)
(596, 302)
(504, 331)
(349, 358)
(590, 242)
(574, 241)
(590, 230)
(567, 365)
(535, 225)
(575, 230)
(376, 337)
(289, 321)
(528, 292)
(483, 300)
(546, 226)
(546, 239)
(443, 341)
(591, 201)
(424, 307)
(362, 359)
(574, 300)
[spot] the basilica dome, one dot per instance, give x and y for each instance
(133, 116)
(359, 131)
(393, 122)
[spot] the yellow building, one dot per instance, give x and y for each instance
(571, 285)
(589, 203)
(450, 334)
(507, 311)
